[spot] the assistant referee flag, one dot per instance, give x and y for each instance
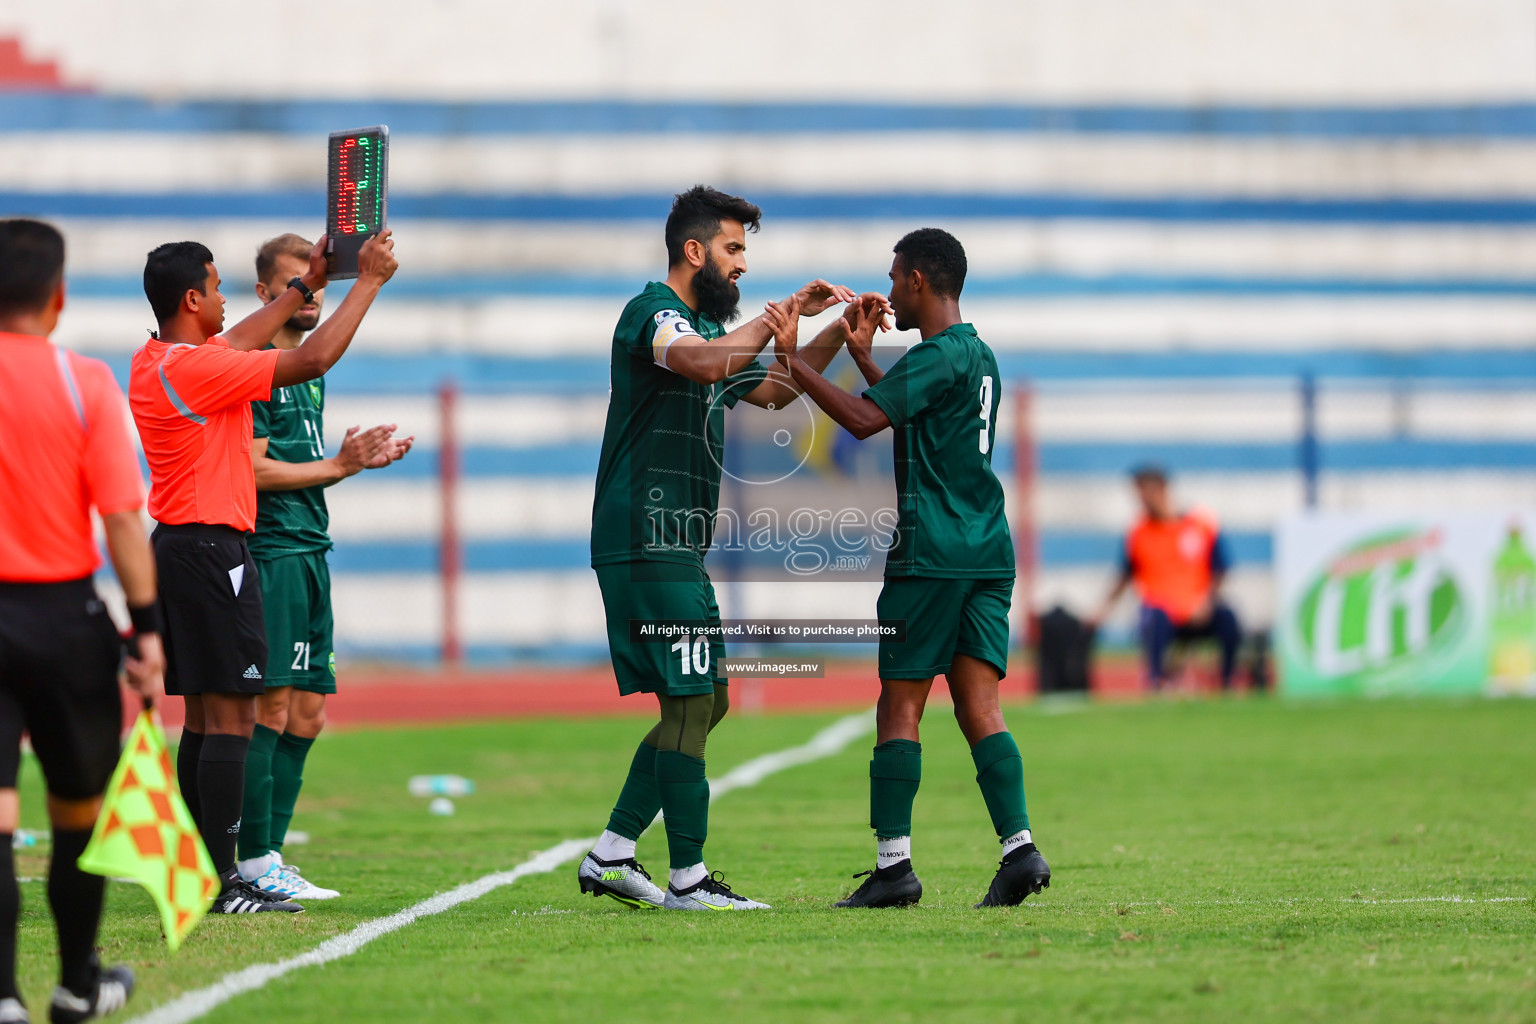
(145, 833)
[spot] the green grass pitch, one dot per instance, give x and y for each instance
(1222, 860)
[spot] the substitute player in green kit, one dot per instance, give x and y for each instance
(675, 371)
(289, 546)
(949, 573)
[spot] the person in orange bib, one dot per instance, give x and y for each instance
(1177, 561)
(190, 388)
(65, 449)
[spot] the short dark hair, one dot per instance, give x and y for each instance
(938, 256)
(31, 264)
(283, 245)
(697, 213)
(1149, 472)
(170, 271)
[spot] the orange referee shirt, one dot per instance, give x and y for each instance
(192, 404)
(64, 447)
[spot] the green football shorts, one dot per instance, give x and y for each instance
(648, 591)
(296, 590)
(944, 617)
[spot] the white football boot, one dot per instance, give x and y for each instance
(624, 880)
(303, 888)
(273, 883)
(710, 893)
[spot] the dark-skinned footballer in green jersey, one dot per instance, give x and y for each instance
(289, 545)
(949, 573)
(675, 371)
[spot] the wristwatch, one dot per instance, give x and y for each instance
(298, 282)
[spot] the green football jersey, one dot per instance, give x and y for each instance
(291, 522)
(658, 477)
(941, 397)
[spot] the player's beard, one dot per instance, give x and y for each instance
(303, 322)
(717, 295)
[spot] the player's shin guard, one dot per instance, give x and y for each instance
(685, 800)
(256, 819)
(287, 780)
(221, 787)
(10, 911)
(188, 752)
(640, 798)
(75, 897)
(895, 771)
(1000, 774)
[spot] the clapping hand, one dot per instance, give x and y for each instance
(392, 450)
(784, 318)
(864, 316)
(819, 295)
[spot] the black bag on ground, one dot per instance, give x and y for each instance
(1064, 652)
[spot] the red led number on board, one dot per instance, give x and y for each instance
(346, 206)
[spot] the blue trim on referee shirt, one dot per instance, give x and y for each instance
(181, 406)
(67, 372)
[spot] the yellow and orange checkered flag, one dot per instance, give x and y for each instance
(145, 833)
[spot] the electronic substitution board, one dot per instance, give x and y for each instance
(357, 195)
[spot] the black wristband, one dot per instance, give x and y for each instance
(298, 283)
(146, 619)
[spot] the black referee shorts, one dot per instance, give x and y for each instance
(59, 656)
(215, 633)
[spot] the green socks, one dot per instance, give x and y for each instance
(287, 777)
(1000, 774)
(894, 774)
(640, 798)
(685, 800)
(256, 813)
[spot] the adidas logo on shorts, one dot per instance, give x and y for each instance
(253, 673)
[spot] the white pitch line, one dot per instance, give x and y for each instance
(192, 1005)
(829, 741)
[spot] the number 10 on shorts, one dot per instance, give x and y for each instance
(693, 654)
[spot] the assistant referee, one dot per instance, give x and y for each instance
(190, 389)
(64, 449)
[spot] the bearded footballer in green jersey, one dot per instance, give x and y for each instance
(949, 573)
(289, 546)
(675, 371)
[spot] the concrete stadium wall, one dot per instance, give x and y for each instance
(1176, 51)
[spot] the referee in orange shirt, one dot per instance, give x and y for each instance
(190, 388)
(64, 449)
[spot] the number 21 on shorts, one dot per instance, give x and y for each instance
(693, 654)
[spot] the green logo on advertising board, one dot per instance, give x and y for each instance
(1380, 611)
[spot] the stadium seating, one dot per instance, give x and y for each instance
(1160, 274)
